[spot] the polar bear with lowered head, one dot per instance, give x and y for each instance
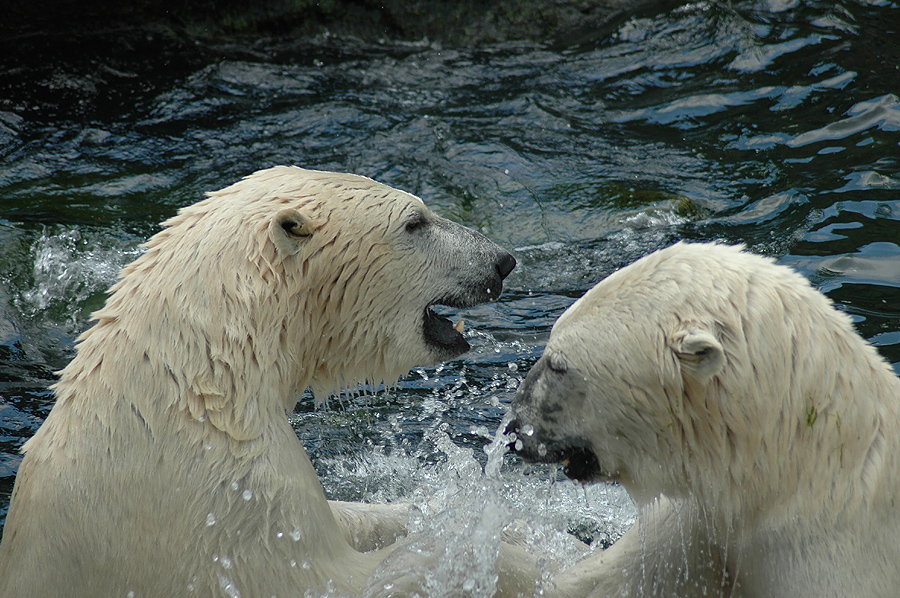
(167, 466)
(758, 433)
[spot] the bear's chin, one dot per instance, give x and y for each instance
(442, 337)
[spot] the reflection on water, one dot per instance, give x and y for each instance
(772, 123)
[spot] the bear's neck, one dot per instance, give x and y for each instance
(823, 455)
(172, 427)
(197, 346)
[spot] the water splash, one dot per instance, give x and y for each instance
(72, 267)
(462, 510)
(455, 532)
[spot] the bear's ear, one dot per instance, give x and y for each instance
(289, 230)
(699, 353)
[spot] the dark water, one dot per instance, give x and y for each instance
(775, 124)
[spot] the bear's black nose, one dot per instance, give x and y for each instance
(505, 265)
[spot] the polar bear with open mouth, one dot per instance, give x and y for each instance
(167, 466)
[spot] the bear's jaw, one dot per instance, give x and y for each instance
(442, 336)
(581, 464)
(578, 459)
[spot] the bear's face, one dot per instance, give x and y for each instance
(596, 406)
(610, 394)
(438, 262)
(342, 274)
(380, 262)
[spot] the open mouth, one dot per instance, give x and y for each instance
(443, 335)
(581, 464)
(579, 461)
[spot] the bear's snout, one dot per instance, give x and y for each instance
(505, 265)
(548, 410)
(576, 455)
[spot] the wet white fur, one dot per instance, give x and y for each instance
(758, 432)
(167, 466)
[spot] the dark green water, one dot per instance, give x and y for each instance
(774, 124)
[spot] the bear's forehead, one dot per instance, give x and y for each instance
(297, 187)
(384, 202)
(579, 339)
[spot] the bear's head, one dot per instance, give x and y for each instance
(700, 369)
(293, 278)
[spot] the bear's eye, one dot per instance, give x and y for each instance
(415, 222)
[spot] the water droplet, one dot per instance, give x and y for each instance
(210, 519)
(226, 562)
(513, 367)
(234, 486)
(279, 535)
(247, 495)
(295, 535)
(228, 587)
(293, 564)
(519, 444)
(528, 430)
(130, 594)
(304, 564)
(542, 449)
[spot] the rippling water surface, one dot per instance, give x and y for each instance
(775, 124)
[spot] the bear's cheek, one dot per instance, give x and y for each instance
(563, 401)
